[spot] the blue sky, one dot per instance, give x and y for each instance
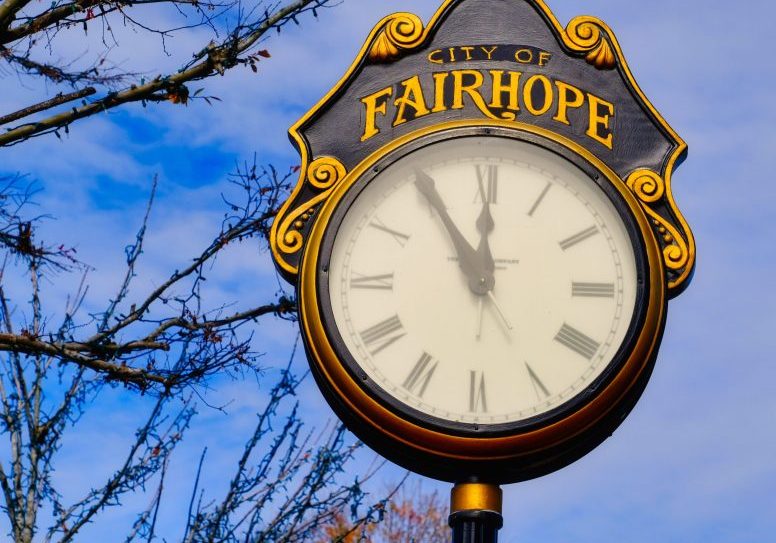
(694, 461)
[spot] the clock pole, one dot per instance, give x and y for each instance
(475, 513)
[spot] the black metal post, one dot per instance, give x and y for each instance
(475, 513)
(476, 526)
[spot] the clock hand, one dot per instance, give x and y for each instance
(486, 225)
(480, 306)
(499, 310)
(480, 282)
(478, 266)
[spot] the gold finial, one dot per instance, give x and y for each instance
(400, 33)
(587, 35)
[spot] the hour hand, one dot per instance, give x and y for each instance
(485, 225)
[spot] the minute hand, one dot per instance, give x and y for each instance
(468, 259)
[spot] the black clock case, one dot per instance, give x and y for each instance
(509, 470)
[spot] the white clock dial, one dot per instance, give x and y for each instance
(482, 280)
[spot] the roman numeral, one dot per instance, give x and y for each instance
(538, 386)
(373, 282)
(540, 199)
(477, 401)
(578, 238)
(383, 334)
(577, 341)
(487, 180)
(400, 238)
(592, 290)
(418, 379)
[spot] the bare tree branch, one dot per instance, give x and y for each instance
(155, 342)
(46, 19)
(213, 59)
(288, 480)
(146, 456)
(93, 75)
(58, 100)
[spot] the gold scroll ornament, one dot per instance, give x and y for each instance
(403, 32)
(323, 175)
(589, 35)
(678, 247)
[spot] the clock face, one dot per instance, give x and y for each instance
(481, 280)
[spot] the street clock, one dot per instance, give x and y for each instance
(484, 239)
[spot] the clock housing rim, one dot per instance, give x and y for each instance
(367, 416)
(430, 421)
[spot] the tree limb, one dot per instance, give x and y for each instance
(58, 100)
(63, 12)
(215, 59)
(283, 306)
(8, 9)
(97, 356)
(31, 346)
(45, 19)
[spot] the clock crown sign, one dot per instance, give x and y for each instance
(505, 63)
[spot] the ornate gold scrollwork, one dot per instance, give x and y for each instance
(323, 175)
(587, 35)
(402, 32)
(678, 251)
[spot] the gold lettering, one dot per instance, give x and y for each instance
(544, 58)
(412, 97)
(489, 52)
(459, 88)
(439, 92)
(528, 95)
(568, 97)
(472, 90)
(512, 89)
(508, 92)
(599, 121)
(452, 54)
(432, 57)
(372, 109)
(524, 56)
(468, 51)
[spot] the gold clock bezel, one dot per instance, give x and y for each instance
(377, 420)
